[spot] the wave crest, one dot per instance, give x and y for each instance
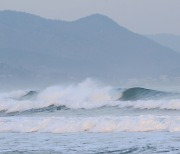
(85, 95)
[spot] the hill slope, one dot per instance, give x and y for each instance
(94, 46)
(168, 40)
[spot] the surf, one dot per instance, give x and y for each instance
(103, 124)
(87, 95)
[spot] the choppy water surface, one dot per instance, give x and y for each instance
(119, 142)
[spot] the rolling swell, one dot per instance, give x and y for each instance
(138, 93)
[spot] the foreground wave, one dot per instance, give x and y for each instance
(90, 124)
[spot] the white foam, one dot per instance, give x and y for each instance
(90, 124)
(87, 95)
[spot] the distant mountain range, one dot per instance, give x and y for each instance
(53, 51)
(168, 40)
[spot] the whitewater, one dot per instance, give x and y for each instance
(89, 117)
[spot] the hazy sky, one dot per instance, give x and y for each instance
(141, 16)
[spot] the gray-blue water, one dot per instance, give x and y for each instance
(87, 118)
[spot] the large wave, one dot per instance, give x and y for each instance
(86, 95)
(138, 93)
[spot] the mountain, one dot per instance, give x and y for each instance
(10, 75)
(94, 46)
(168, 40)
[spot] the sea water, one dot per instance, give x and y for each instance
(89, 118)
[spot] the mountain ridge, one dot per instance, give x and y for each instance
(93, 46)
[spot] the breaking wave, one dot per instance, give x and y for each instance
(141, 123)
(87, 95)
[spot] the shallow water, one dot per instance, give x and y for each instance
(119, 142)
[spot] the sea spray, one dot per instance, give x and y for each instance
(85, 95)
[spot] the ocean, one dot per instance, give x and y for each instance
(90, 118)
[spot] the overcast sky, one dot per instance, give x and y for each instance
(141, 16)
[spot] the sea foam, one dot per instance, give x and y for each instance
(85, 95)
(141, 123)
